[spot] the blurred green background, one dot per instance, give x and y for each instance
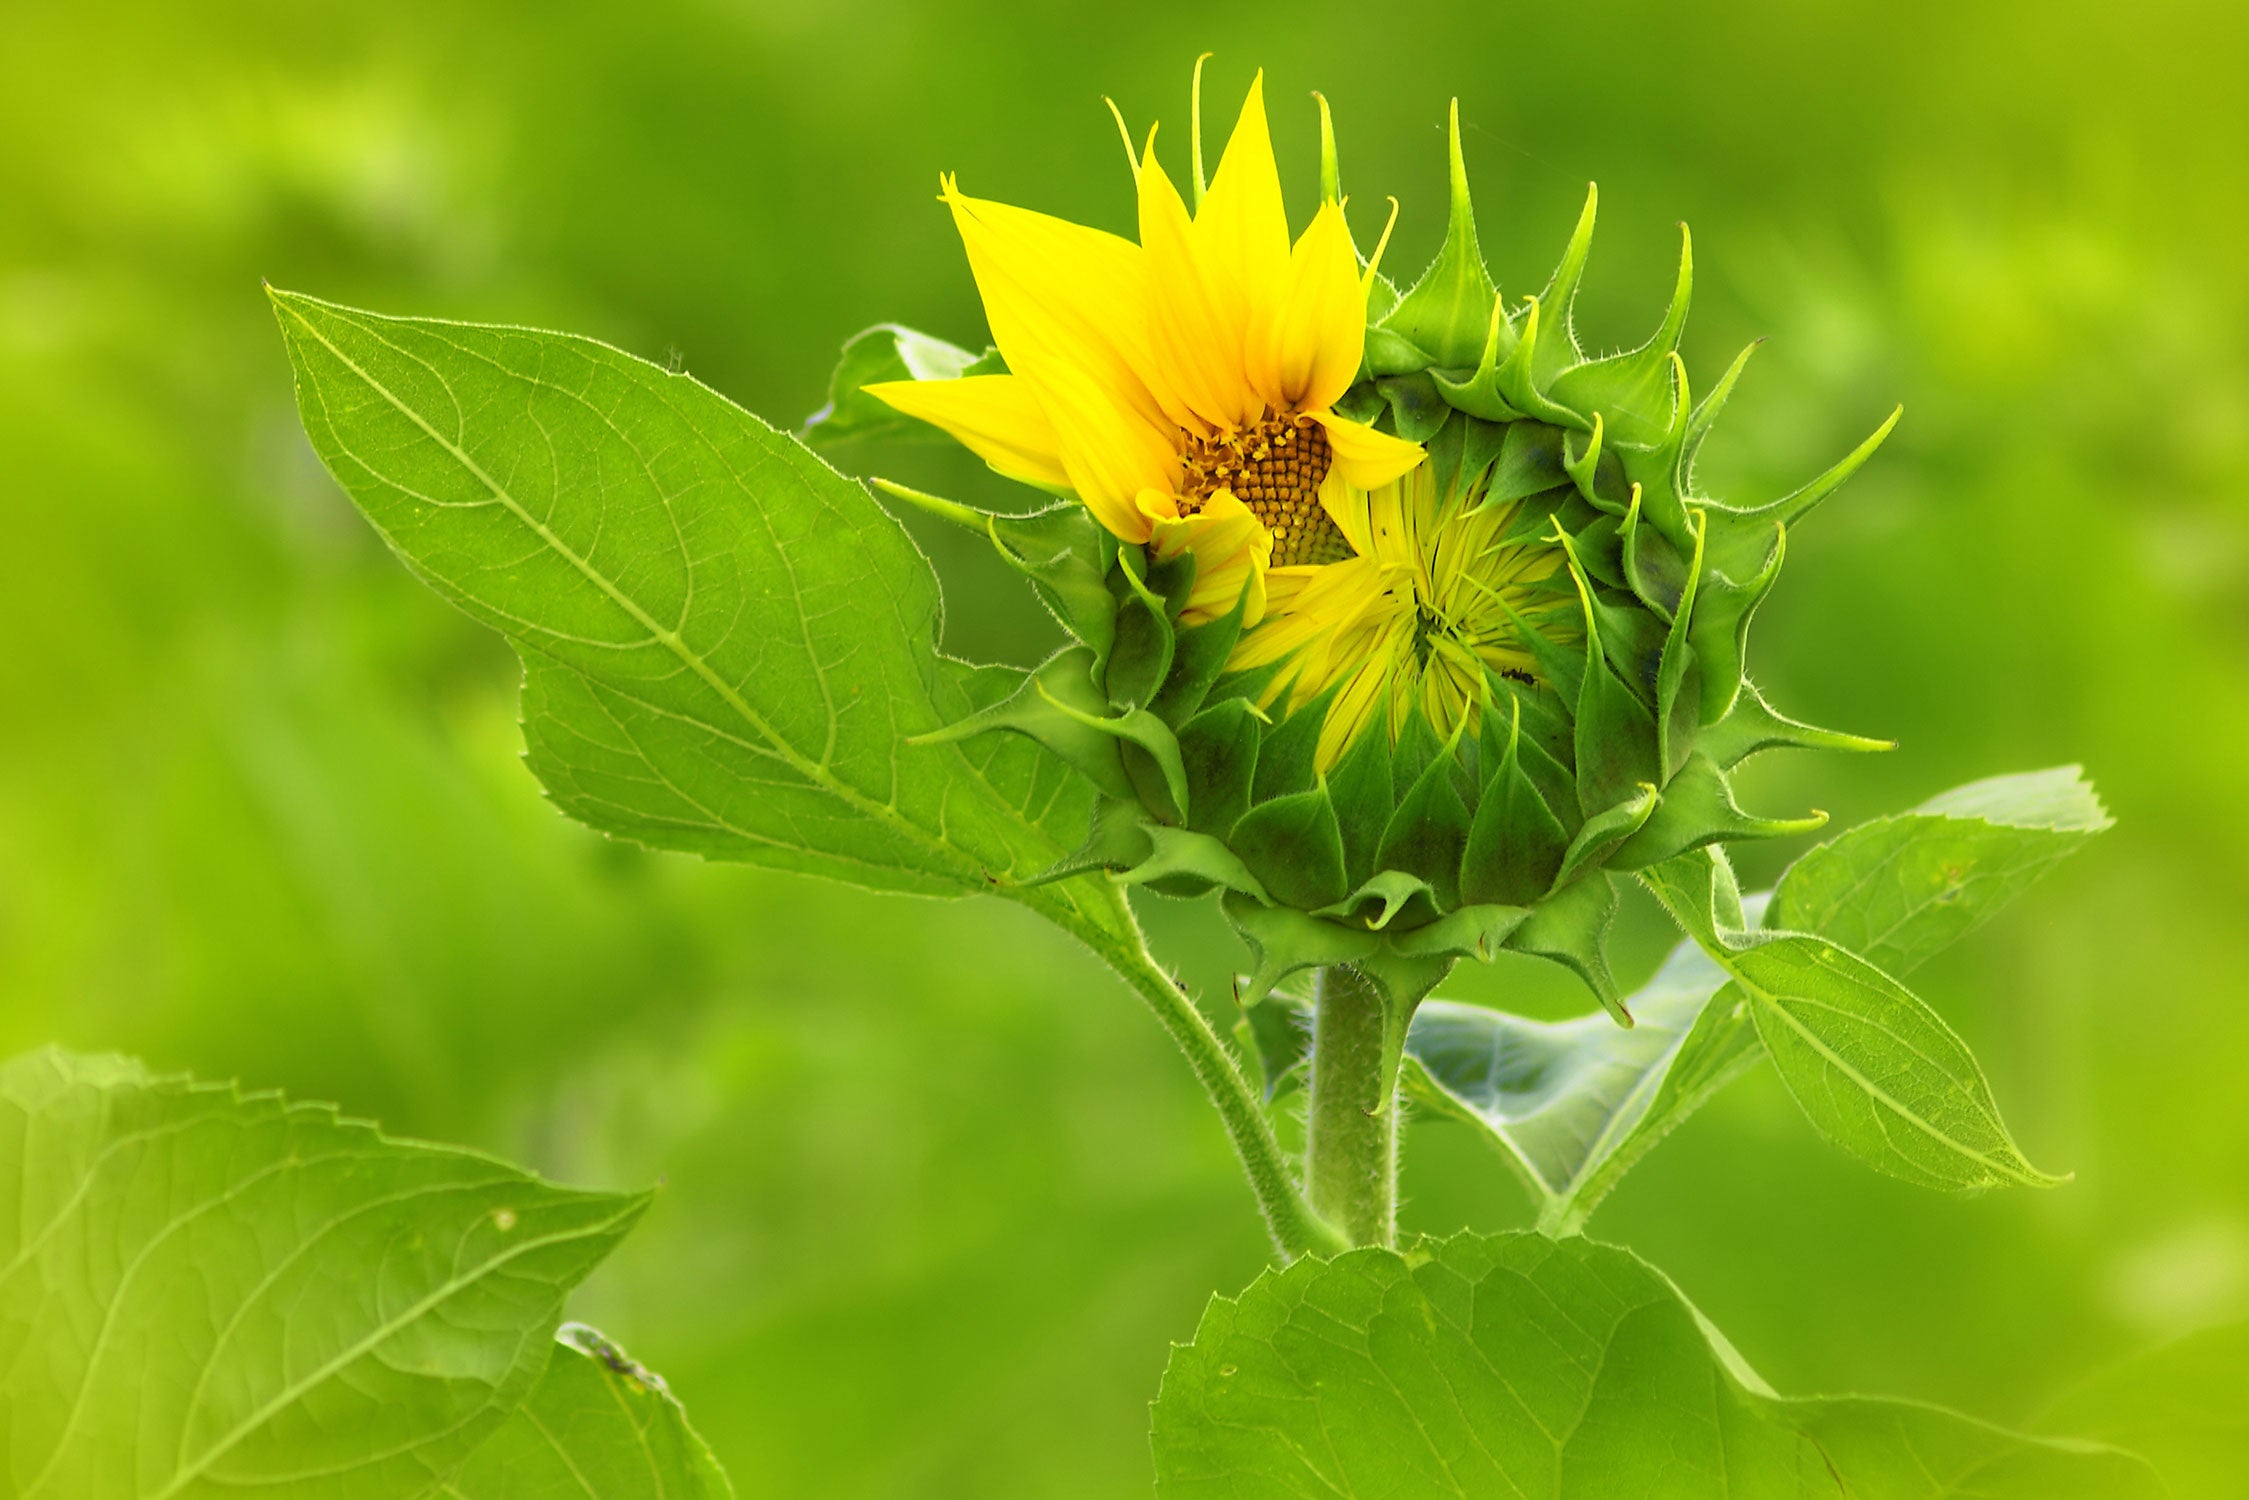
(937, 1193)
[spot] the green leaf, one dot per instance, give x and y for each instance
(1896, 890)
(1561, 1098)
(1520, 1366)
(596, 1427)
(2179, 1406)
(726, 644)
(1876, 1070)
(204, 1292)
(1576, 1122)
(889, 351)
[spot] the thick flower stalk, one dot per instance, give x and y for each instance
(1396, 616)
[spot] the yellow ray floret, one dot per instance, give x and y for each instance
(1420, 617)
(1182, 387)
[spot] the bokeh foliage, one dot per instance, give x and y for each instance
(259, 816)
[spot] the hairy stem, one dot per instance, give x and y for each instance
(1351, 1157)
(1295, 1227)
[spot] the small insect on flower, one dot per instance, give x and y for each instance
(1397, 617)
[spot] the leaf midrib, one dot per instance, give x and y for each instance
(1874, 1091)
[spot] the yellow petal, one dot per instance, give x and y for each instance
(1356, 709)
(1068, 306)
(996, 417)
(1232, 550)
(1198, 322)
(1241, 223)
(1367, 459)
(1320, 603)
(1312, 345)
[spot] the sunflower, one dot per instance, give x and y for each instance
(1183, 388)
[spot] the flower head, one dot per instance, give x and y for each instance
(1182, 387)
(1403, 625)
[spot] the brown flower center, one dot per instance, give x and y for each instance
(1275, 469)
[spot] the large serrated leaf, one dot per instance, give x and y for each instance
(727, 646)
(1519, 1366)
(207, 1293)
(596, 1427)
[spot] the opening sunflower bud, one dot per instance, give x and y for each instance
(1398, 618)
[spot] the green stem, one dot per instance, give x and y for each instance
(1351, 1156)
(1296, 1229)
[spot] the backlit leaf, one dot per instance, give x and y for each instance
(596, 1427)
(1520, 1366)
(208, 1293)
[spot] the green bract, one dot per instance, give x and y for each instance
(1501, 830)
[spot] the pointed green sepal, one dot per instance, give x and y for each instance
(1515, 380)
(1387, 353)
(1445, 312)
(1218, 750)
(1364, 795)
(1571, 928)
(1697, 889)
(1698, 808)
(1659, 470)
(1295, 847)
(1794, 506)
(1560, 297)
(1199, 655)
(1679, 678)
(1287, 760)
(1653, 568)
(1116, 839)
(1417, 408)
(1479, 932)
(1061, 549)
(1706, 412)
(1753, 725)
(1719, 630)
(1530, 463)
(1284, 942)
(1605, 831)
(1427, 834)
(1058, 706)
(1515, 845)
(1140, 659)
(1479, 394)
(1546, 753)
(1635, 388)
(1615, 736)
(1584, 467)
(1389, 893)
(1181, 862)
